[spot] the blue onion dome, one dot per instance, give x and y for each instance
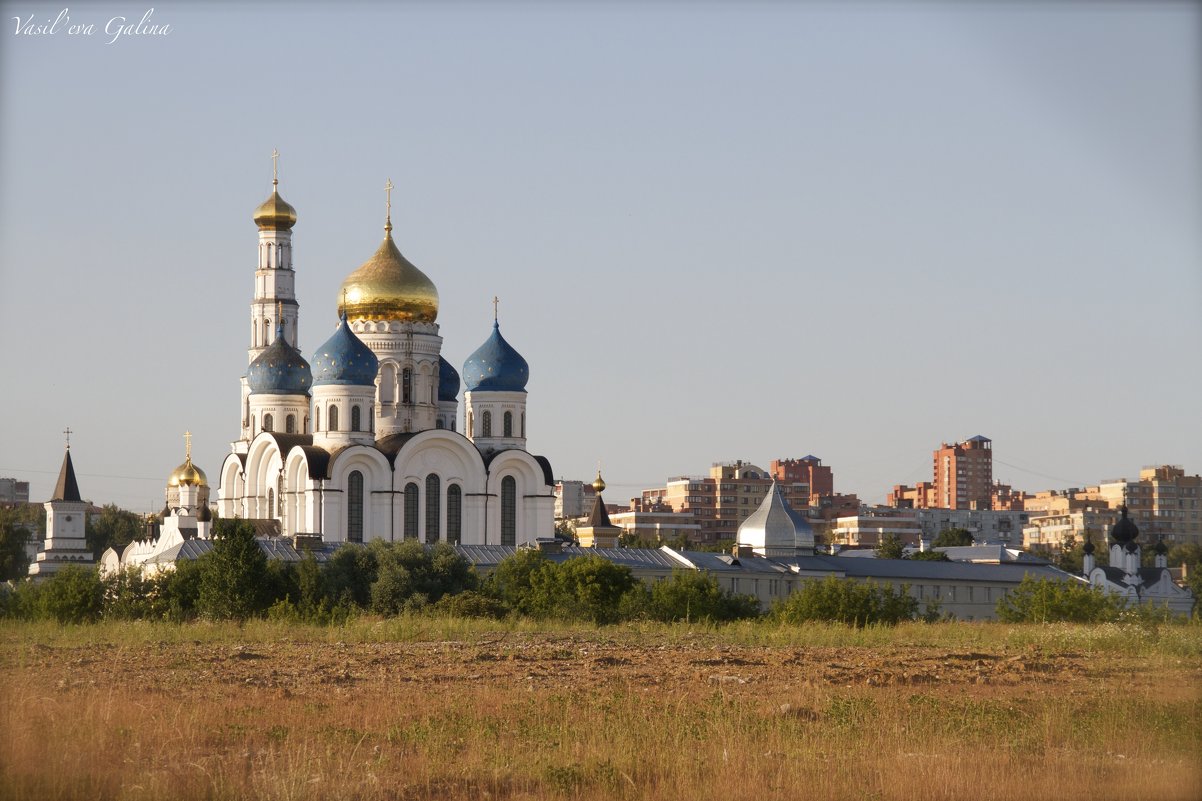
(496, 366)
(1125, 530)
(344, 359)
(448, 381)
(280, 369)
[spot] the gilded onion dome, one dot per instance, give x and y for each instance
(275, 213)
(188, 474)
(389, 287)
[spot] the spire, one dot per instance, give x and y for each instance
(495, 317)
(388, 187)
(275, 167)
(67, 488)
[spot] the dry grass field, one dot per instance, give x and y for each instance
(420, 708)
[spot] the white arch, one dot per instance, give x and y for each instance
(377, 493)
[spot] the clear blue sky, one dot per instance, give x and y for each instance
(718, 231)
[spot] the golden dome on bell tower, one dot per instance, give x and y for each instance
(275, 213)
(388, 286)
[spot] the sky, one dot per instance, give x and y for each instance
(718, 231)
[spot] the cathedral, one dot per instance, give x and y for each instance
(363, 440)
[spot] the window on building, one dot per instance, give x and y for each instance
(290, 424)
(411, 511)
(279, 496)
(438, 423)
(270, 502)
(523, 425)
(317, 419)
(332, 416)
(508, 424)
(433, 512)
(454, 514)
(486, 424)
(356, 418)
(509, 511)
(406, 386)
(268, 423)
(354, 507)
(387, 383)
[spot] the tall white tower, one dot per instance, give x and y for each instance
(66, 516)
(275, 287)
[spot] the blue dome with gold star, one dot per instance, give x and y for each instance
(279, 370)
(448, 381)
(496, 366)
(344, 359)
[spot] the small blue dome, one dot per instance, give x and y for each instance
(496, 366)
(448, 381)
(279, 370)
(344, 359)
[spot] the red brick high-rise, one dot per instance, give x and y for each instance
(964, 474)
(806, 470)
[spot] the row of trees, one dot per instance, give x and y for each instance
(235, 580)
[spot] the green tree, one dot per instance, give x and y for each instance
(348, 575)
(113, 528)
(233, 574)
(73, 594)
(847, 601)
(1189, 555)
(410, 575)
(1047, 601)
(14, 534)
(1071, 556)
(129, 596)
(511, 579)
(691, 595)
(890, 547)
(952, 537)
(929, 556)
(176, 593)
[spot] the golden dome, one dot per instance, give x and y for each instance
(389, 287)
(275, 213)
(599, 483)
(188, 474)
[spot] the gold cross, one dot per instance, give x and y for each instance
(388, 187)
(275, 166)
(495, 302)
(188, 444)
(68, 433)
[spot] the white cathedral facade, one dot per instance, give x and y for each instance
(363, 441)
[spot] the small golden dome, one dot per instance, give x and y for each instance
(389, 287)
(188, 474)
(275, 213)
(599, 483)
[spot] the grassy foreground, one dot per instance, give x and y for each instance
(427, 708)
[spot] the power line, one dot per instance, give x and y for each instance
(88, 475)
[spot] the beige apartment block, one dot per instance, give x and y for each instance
(721, 501)
(1052, 531)
(1164, 501)
(868, 530)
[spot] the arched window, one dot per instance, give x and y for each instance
(356, 418)
(509, 511)
(438, 423)
(410, 511)
(508, 424)
(279, 494)
(454, 514)
(317, 418)
(523, 425)
(406, 386)
(270, 502)
(266, 332)
(387, 382)
(486, 424)
(433, 495)
(268, 423)
(290, 424)
(471, 432)
(333, 417)
(354, 507)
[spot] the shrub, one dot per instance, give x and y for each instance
(1047, 601)
(128, 596)
(176, 592)
(692, 595)
(410, 575)
(470, 603)
(581, 588)
(847, 601)
(74, 594)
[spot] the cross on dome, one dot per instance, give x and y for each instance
(67, 431)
